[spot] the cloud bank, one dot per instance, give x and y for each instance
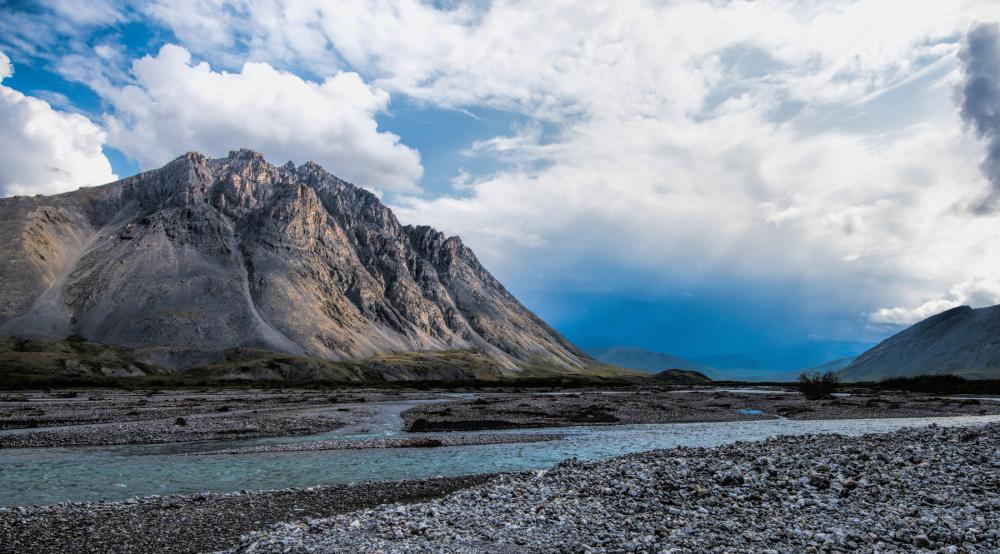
(978, 293)
(980, 105)
(175, 106)
(43, 150)
(759, 142)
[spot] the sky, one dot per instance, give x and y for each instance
(689, 176)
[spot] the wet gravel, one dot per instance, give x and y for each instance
(39, 409)
(927, 489)
(520, 410)
(110, 417)
(387, 442)
(194, 428)
(197, 522)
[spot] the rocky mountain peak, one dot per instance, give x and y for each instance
(206, 254)
(245, 154)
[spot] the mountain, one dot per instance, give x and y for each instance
(647, 360)
(726, 367)
(961, 341)
(682, 377)
(202, 256)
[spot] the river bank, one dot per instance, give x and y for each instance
(196, 522)
(929, 489)
(525, 411)
(114, 417)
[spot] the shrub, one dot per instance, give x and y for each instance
(817, 386)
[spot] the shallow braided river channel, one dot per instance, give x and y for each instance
(41, 476)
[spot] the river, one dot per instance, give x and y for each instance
(36, 476)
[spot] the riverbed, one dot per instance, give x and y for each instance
(40, 476)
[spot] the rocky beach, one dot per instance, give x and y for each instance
(195, 522)
(917, 490)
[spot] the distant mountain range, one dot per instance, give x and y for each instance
(961, 341)
(653, 362)
(187, 262)
(725, 367)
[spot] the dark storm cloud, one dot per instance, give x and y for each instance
(980, 103)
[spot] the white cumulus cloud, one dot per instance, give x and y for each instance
(43, 150)
(978, 293)
(175, 106)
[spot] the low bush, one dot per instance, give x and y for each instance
(817, 386)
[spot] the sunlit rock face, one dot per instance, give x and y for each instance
(209, 254)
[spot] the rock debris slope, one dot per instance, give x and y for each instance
(205, 254)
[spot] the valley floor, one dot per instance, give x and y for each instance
(931, 488)
(112, 417)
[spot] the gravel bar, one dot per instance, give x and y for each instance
(925, 489)
(38, 419)
(197, 522)
(409, 442)
(523, 411)
(194, 428)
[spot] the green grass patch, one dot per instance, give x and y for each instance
(75, 362)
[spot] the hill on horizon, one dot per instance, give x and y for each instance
(960, 341)
(718, 367)
(633, 357)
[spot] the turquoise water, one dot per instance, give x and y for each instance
(50, 475)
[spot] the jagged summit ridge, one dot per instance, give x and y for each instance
(205, 254)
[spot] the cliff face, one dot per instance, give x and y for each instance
(962, 341)
(208, 254)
